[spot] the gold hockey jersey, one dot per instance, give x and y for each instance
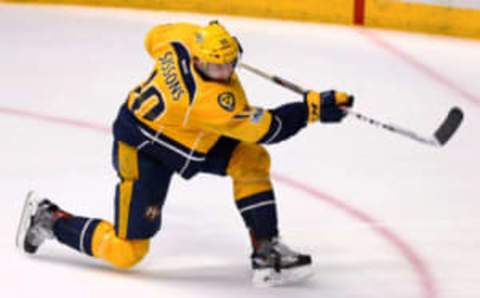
(177, 102)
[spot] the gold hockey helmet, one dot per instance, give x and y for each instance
(213, 44)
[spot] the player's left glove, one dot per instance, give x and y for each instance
(327, 106)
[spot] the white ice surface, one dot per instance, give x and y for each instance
(79, 63)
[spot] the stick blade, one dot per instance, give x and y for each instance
(449, 126)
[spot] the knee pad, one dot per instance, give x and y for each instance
(249, 167)
(121, 253)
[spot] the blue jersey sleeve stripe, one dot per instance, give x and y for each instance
(184, 62)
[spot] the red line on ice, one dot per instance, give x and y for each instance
(419, 66)
(54, 119)
(419, 267)
(425, 277)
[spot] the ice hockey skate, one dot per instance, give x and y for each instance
(36, 223)
(275, 264)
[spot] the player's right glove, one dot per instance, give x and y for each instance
(327, 106)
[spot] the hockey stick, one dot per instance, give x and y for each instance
(439, 138)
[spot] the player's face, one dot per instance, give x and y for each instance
(219, 72)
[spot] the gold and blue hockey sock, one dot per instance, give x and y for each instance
(260, 214)
(97, 238)
(76, 232)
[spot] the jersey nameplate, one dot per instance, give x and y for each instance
(170, 76)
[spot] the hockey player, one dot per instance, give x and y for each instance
(190, 116)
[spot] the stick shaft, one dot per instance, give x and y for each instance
(299, 90)
(395, 129)
(278, 80)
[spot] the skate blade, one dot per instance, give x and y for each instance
(264, 278)
(29, 209)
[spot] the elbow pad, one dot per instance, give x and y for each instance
(287, 120)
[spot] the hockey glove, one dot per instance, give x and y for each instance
(327, 106)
